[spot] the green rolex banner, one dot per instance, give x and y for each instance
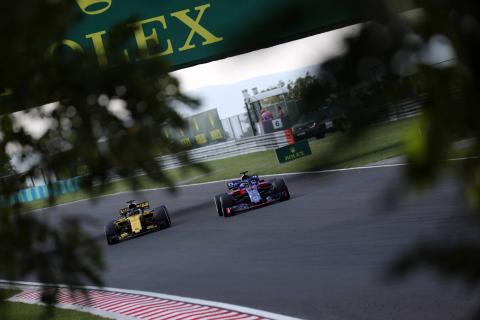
(188, 32)
(293, 151)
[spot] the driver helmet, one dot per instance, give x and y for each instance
(132, 205)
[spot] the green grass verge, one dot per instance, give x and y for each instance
(22, 311)
(7, 293)
(381, 142)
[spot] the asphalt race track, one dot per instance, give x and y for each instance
(321, 255)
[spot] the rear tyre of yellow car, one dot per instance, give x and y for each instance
(111, 234)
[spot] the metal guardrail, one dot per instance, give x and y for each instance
(229, 149)
(407, 108)
(400, 110)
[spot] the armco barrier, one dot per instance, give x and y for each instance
(406, 108)
(230, 149)
(212, 152)
(41, 192)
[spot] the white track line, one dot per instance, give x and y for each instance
(230, 308)
(266, 175)
(224, 180)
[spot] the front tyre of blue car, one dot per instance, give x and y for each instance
(226, 203)
(280, 187)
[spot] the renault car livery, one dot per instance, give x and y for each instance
(136, 219)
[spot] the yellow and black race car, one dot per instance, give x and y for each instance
(136, 219)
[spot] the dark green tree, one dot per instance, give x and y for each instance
(6, 167)
(297, 90)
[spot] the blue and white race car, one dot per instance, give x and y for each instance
(250, 192)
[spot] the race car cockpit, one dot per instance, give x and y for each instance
(133, 208)
(132, 205)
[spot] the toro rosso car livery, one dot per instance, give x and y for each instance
(136, 219)
(250, 192)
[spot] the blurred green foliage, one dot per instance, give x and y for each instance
(109, 121)
(400, 55)
(102, 121)
(432, 51)
(430, 55)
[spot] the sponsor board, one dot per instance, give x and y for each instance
(293, 151)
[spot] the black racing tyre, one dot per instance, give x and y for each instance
(111, 234)
(281, 187)
(161, 217)
(218, 206)
(226, 201)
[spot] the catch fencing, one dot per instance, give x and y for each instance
(237, 127)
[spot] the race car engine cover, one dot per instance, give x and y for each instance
(135, 223)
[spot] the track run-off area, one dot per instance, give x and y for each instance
(321, 255)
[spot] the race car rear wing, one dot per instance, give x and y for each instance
(141, 205)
